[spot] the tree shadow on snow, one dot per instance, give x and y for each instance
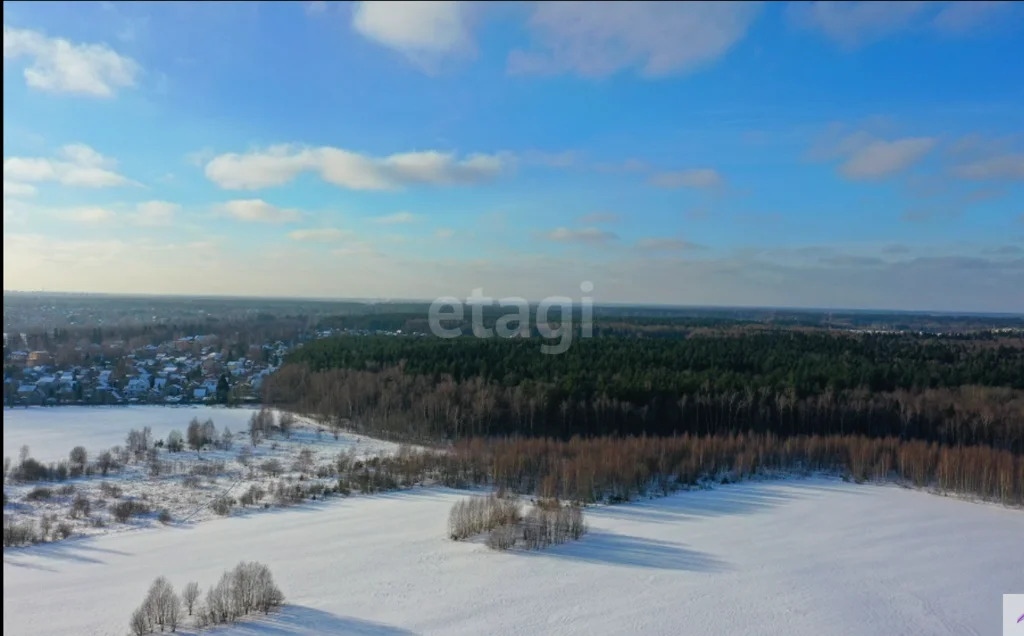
(295, 619)
(76, 550)
(617, 549)
(719, 501)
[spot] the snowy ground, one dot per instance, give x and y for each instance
(776, 557)
(51, 432)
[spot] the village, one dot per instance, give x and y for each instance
(189, 370)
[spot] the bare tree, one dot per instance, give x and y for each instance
(160, 608)
(189, 595)
(194, 434)
(175, 442)
(209, 432)
(286, 421)
(77, 459)
(140, 622)
(105, 462)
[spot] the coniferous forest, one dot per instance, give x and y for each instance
(899, 406)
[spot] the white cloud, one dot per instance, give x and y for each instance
(75, 165)
(90, 215)
(397, 218)
(878, 159)
(1006, 166)
(424, 32)
(315, 8)
(444, 233)
(155, 213)
(852, 24)
(697, 178)
(958, 18)
(280, 164)
(60, 66)
(665, 244)
(320, 235)
(18, 189)
(658, 38)
(589, 235)
(258, 211)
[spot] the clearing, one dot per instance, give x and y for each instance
(798, 556)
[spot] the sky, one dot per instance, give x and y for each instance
(827, 154)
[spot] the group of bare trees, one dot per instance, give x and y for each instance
(246, 589)
(161, 609)
(615, 469)
(476, 515)
(547, 522)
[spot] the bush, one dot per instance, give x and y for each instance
(502, 537)
(38, 494)
(32, 470)
(110, 490)
(81, 506)
(125, 510)
(164, 516)
(64, 530)
(272, 467)
(252, 496)
(16, 533)
(66, 490)
(222, 505)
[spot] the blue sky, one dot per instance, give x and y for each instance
(863, 155)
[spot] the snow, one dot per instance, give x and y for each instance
(166, 491)
(51, 432)
(794, 557)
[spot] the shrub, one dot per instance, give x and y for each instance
(66, 490)
(272, 467)
(252, 496)
(81, 506)
(16, 533)
(110, 490)
(64, 530)
(222, 505)
(38, 494)
(502, 537)
(125, 510)
(164, 516)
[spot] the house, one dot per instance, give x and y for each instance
(39, 358)
(137, 385)
(29, 394)
(159, 384)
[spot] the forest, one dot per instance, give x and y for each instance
(960, 390)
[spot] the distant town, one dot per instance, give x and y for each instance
(198, 369)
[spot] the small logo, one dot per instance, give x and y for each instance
(1013, 620)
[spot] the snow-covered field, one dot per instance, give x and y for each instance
(51, 432)
(788, 557)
